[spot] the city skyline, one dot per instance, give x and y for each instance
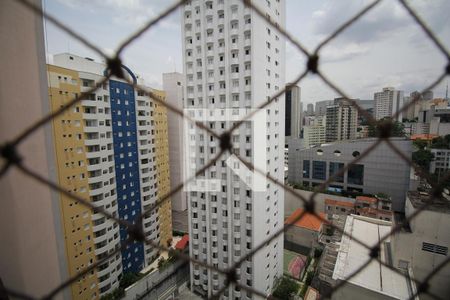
(359, 64)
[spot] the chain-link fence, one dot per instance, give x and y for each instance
(13, 159)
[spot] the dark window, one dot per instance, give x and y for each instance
(319, 170)
(306, 168)
(334, 169)
(356, 175)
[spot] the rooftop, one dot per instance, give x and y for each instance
(339, 203)
(440, 204)
(366, 199)
(311, 294)
(351, 256)
(370, 140)
(425, 136)
(181, 245)
(308, 221)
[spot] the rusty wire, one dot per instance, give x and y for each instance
(12, 157)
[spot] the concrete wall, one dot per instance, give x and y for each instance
(351, 291)
(436, 127)
(159, 283)
(174, 96)
(31, 256)
(430, 227)
(302, 236)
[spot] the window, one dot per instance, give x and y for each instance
(319, 170)
(306, 168)
(356, 175)
(334, 169)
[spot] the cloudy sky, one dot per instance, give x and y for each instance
(384, 48)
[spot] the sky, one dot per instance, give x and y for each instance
(383, 48)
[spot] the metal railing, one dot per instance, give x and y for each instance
(13, 159)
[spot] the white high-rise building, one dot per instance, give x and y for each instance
(233, 61)
(341, 121)
(387, 103)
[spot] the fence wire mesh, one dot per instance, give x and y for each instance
(13, 159)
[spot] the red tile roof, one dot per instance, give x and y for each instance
(425, 136)
(366, 199)
(308, 221)
(181, 245)
(339, 203)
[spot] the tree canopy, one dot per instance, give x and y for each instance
(286, 288)
(398, 129)
(423, 158)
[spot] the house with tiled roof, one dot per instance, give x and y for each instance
(304, 232)
(339, 207)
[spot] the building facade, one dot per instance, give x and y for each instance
(173, 85)
(441, 162)
(32, 256)
(424, 242)
(111, 148)
(233, 61)
(314, 134)
(387, 103)
(341, 121)
(303, 234)
(321, 107)
(379, 171)
(293, 112)
(310, 109)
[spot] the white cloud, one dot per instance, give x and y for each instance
(335, 53)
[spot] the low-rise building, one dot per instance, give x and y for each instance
(373, 207)
(375, 280)
(336, 207)
(423, 243)
(304, 234)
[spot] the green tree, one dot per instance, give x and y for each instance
(161, 262)
(128, 279)
(420, 144)
(398, 129)
(423, 158)
(441, 142)
(317, 253)
(286, 288)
